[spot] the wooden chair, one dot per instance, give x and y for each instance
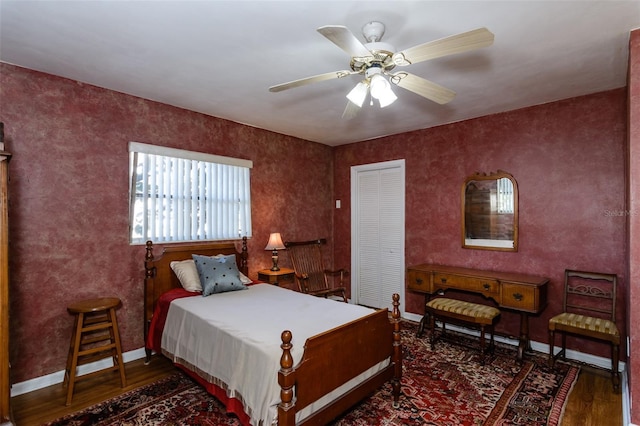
(311, 276)
(589, 310)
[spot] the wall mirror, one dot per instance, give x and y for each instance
(490, 212)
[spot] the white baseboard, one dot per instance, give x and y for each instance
(58, 377)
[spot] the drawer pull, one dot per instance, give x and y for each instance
(517, 296)
(486, 286)
(443, 280)
(419, 280)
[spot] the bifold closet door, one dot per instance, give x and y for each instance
(378, 203)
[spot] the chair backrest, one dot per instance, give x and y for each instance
(306, 259)
(590, 293)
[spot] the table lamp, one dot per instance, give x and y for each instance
(275, 243)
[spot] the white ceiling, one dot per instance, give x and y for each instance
(220, 57)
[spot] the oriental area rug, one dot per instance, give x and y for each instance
(445, 386)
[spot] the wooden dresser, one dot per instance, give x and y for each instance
(525, 294)
(5, 382)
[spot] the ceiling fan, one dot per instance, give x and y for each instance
(376, 59)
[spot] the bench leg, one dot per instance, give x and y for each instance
(432, 331)
(492, 345)
(482, 344)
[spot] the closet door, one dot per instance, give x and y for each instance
(377, 212)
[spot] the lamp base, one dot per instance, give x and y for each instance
(274, 257)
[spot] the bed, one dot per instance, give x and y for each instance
(315, 368)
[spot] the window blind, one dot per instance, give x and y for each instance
(179, 195)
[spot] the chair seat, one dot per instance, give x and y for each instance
(584, 322)
(481, 314)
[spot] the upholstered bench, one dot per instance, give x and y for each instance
(470, 314)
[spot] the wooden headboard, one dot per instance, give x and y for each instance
(160, 278)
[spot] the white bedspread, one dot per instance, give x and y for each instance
(234, 338)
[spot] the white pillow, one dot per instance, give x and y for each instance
(187, 273)
(245, 279)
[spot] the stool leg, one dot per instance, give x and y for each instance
(67, 370)
(115, 335)
(73, 363)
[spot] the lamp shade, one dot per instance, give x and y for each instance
(387, 98)
(381, 90)
(275, 242)
(358, 94)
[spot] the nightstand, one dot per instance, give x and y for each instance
(275, 277)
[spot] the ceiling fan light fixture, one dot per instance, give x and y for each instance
(379, 86)
(358, 94)
(381, 90)
(387, 98)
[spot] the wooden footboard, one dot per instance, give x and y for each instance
(333, 358)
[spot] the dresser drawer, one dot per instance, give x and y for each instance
(476, 284)
(518, 296)
(419, 280)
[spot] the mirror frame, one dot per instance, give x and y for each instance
(489, 244)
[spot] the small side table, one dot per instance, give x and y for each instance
(275, 277)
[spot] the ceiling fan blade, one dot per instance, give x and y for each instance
(422, 87)
(309, 80)
(345, 40)
(458, 43)
(350, 111)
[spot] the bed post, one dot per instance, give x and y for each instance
(244, 264)
(286, 380)
(149, 274)
(397, 351)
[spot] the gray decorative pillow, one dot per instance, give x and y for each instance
(218, 274)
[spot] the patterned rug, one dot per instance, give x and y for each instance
(446, 386)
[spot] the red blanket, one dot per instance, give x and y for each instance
(154, 338)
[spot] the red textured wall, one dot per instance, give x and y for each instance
(69, 201)
(69, 192)
(634, 224)
(568, 159)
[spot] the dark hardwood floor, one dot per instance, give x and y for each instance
(43, 405)
(592, 401)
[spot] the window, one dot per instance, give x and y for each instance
(179, 195)
(505, 196)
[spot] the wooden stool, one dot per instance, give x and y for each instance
(95, 337)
